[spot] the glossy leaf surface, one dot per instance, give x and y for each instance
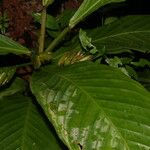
(131, 32)
(86, 8)
(94, 107)
(9, 46)
(6, 74)
(22, 127)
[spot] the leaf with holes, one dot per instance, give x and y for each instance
(94, 106)
(7, 45)
(23, 127)
(86, 8)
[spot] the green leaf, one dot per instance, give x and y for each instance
(117, 63)
(53, 33)
(141, 63)
(132, 73)
(6, 74)
(51, 22)
(64, 17)
(86, 42)
(86, 8)
(9, 46)
(128, 33)
(22, 127)
(18, 85)
(94, 106)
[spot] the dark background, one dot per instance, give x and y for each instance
(129, 7)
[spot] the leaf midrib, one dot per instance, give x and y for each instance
(14, 50)
(60, 75)
(119, 34)
(85, 12)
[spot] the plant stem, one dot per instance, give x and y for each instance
(58, 39)
(42, 32)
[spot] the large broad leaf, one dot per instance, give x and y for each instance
(22, 127)
(9, 46)
(86, 8)
(94, 107)
(131, 32)
(6, 74)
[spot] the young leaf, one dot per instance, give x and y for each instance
(86, 8)
(94, 106)
(131, 32)
(6, 74)
(22, 127)
(9, 46)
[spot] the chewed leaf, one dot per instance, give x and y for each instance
(94, 107)
(86, 42)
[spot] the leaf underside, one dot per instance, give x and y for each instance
(94, 106)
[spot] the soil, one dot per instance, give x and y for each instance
(21, 27)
